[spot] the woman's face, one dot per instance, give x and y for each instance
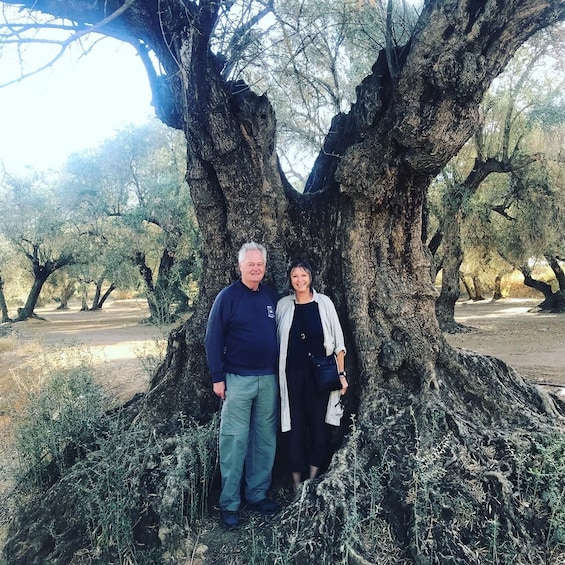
(300, 280)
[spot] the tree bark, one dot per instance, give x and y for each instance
(478, 286)
(497, 292)
(3, 305)
(105, 296)
(557, 270)
(41, 274)
(468, 289)
(66, 294)
(147, 277)
(27, 310)
(438, 434)
(536, 284)
(41, 271)
(451, 263)
(164, 291)
(553, 301)
(159, 297)
(99, 299)
(96, 297)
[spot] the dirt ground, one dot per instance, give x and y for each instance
(531, 342)
(115, 336)
(124, 351)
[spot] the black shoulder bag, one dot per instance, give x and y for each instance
(326, 375)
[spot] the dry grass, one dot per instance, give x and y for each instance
(120, 348)
(8, 344)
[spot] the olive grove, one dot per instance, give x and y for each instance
(521, 117)
(447, 456)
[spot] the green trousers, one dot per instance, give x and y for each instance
(248, 438)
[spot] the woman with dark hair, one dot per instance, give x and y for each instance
(307, 325)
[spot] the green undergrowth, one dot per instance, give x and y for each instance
(126, 493)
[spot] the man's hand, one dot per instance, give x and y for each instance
(220, 389)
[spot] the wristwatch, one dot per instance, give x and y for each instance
(342, 374)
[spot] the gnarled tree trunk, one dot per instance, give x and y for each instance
(450, 280)
(41, 273)
(433, 460)
(553, 301)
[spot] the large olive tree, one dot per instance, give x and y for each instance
(442, 462)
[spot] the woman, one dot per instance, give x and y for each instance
(307, 324)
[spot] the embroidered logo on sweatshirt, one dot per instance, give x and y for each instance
(270, 311)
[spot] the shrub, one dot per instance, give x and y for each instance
(59, 421)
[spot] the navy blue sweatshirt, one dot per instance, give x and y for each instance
(241, 335)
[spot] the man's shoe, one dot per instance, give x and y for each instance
(266, 507)
(229, 518)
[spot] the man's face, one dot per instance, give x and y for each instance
(252, 269)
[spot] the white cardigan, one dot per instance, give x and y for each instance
(333, 342)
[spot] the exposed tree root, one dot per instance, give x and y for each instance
(472, 472)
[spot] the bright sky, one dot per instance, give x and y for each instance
(74, 105)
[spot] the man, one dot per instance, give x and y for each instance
(242, 352)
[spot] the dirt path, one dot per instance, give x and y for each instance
(532, 343)
(123, 350)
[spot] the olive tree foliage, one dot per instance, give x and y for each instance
(535, 212)
(451, 456)
(308, 58)
(529, 231)
(505, 143)
(40, 228)
(131, 191)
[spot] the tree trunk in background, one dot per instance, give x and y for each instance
(164, 287)
(101, 301)
(450, 276)
(468, 288)
(97, 292)
(41, 272)
(557, 270)
(553, 301)
(3, 305)
(83, 296)
(27, 310)
(557, 303)
(66, 294)
(477, 285)
(147, 276)
(159, 297)
(497, 292)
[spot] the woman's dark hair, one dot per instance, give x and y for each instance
(301, 264)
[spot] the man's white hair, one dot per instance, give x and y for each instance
(250, 246)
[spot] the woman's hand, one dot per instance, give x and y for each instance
(344, 385)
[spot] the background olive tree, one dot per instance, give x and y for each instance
(507, 144)
(133, 190)
(40, 228)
